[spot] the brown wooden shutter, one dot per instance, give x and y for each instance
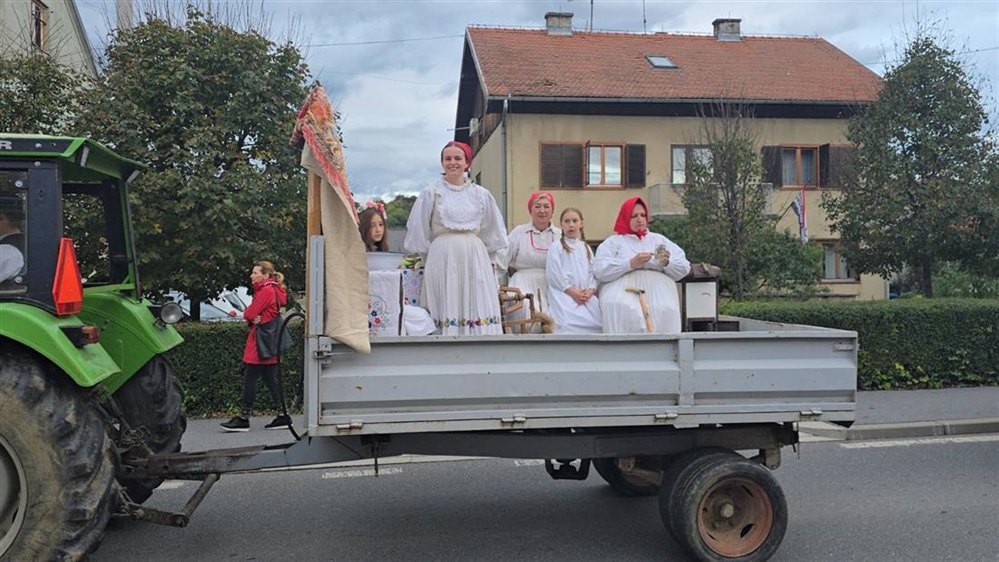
(572, 165)
(551, 165)
(824, 166)
(562, 165)
(841, 164)
(634, 165)
(771, 165)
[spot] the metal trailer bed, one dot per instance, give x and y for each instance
(652, 413)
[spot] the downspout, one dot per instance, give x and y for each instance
(503, 189)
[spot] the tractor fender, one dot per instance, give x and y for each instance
(130, 333)
(40, 331)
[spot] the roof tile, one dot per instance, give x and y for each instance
(531, 63)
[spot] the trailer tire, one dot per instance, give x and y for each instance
(55, 452)
(685, 464)
(730, 509)
(623, 484)
(152, 402)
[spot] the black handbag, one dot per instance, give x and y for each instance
(269, 342)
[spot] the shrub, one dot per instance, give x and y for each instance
(917, 343)
(209, 364)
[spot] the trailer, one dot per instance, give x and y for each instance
(698, 419)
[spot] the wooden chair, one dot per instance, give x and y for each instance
(513, 299)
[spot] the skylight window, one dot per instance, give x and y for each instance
(660, 61)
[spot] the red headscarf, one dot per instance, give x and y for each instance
(623, 224)
(538, 194)
(464, 148)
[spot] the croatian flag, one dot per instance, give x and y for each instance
(798, 206)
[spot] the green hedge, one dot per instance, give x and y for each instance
(209, 364)
(912, 343)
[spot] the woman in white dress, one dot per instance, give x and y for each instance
(457, 226)
(528, 251)
(635, 258)
(573, 303)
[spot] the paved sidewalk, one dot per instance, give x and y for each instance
(904, 414)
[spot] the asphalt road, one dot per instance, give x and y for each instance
(934, 499)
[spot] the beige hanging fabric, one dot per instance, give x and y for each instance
(346, 267)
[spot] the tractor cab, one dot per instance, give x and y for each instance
(68, 259)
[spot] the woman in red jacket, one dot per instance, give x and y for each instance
(269, 295)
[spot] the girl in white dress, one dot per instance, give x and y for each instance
(573, 300)
(528, 252)
(457, 226)
(416, 321)
(635, 258)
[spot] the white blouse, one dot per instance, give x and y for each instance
(529, 247)
(467, 208)
(615, 253)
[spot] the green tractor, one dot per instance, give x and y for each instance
(84, 382)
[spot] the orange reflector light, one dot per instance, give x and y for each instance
(91, 334)
(67, 288)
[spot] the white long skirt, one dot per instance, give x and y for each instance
(459, 287)
(573, 318)
(530, 281)
(621, 310)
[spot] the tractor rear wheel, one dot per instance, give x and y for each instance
(151, 402)
(57, 464)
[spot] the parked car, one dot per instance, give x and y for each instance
(226, 307)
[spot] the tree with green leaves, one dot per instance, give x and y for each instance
(728, 222)
(38, 95)
(210, 109)
(918, 195)
(398, 210)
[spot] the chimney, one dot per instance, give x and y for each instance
(558, 23)
(727, 29)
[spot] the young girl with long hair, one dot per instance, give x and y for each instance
(371, 223)
(572, 301)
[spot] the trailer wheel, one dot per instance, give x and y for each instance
(626, 485)
(685, 464)
(730, 509)
(151, 402)
(57, 465)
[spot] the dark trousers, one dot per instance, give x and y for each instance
(270, 375)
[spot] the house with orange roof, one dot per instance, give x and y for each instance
(597, 117)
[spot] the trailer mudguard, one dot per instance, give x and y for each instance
(39, 330)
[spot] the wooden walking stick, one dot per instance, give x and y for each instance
(645, 306)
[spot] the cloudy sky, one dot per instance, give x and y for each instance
(392, 66)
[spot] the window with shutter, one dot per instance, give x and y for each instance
(39, 24)
(791, 165)
(603, 164)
